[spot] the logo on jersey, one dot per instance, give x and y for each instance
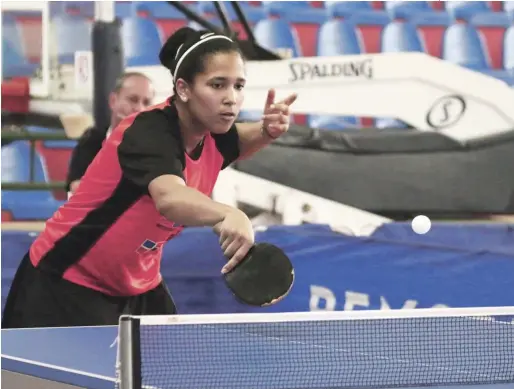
(146, 246)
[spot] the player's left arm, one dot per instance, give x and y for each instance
(275, 122)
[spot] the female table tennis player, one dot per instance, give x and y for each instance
(99, 254)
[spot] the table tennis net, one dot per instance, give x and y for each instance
(359, 349)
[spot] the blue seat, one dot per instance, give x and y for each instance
(252, 14)
(398, 37)
(359, 12)
(142, 41)
(294, 11)
(30, 204)
(401, 37)
(125, 9)
(385, 123)
(508, 7)
(250, 116)
(327, 122)
(419, 13)
(507, 73)
(491, 19)
(13, 63)
(508, 49)
(346, 9)
(196, 26)
(54, 144)
(462, 46)
(465, 10)
(336, 37)
(11, 33)
(405, 9)
(275, 34)
(72, 34)
(162, 10)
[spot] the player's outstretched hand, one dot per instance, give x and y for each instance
(236, 238)
(276, 115)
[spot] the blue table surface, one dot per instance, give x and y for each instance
(80, 356)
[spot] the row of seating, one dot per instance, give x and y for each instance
(480, 47)
(294, 9)
(49, 164)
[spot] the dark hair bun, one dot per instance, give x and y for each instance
(169, 49)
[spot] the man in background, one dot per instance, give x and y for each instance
(133, 93)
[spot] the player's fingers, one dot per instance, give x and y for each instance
(270, 99)
(232, 248)
(289, 99)
(275, 117)
(224, 236)
(217, 229)
(278, 127)
(237, 257)
(278, 108)
(226, 243)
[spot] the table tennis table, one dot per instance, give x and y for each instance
(69, 358)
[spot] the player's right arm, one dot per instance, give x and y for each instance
(184, 205)
(150, 156)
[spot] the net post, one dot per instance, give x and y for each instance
(129, 353)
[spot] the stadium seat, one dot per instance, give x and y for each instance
(508, 7)
(336, 37)
(326, 122)
(249, 116)
(462, 46)
(399, 37)
(508, 49)
(276, 35)
(12, 33)
(167, 17)
(252, 14)
(30, 204)
(72, 33)
(303, 18)
(346, 9)
(405, 9)
(492, 26)
(506, 73)
(369, 23)
(465, 10)
(13, 62)
(142, 41)
(294, 11)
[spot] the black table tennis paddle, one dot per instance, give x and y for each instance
(264, 276)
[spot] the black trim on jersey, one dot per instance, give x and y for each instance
(227, 144)
(73, 246)
(150, 148)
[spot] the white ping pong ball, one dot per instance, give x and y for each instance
(421, 224)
